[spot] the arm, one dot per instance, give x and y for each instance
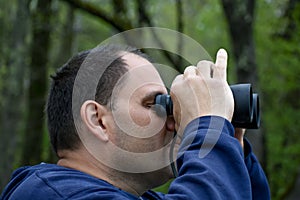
(211, 161)
(259, 182)
(221, 174)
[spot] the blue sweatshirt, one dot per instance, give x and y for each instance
(211, 165)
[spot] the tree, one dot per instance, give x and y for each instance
(66, 38)
(282, 92)
(241, 18)
(121, 22)
(271, 64)
(34, 130)
(12, 92)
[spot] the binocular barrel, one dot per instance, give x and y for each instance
(246, 106)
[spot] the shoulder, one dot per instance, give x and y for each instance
(48, 181)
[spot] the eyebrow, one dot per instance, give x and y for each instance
(151, 95)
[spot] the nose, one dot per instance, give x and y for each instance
(170, 123)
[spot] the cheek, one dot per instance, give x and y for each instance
(140, 117)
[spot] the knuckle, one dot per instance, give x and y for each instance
(204, 62)
(192, 79)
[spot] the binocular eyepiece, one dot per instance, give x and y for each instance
(246, 106)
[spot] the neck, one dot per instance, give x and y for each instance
(83, 161)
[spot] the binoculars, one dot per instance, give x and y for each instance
(246, 106)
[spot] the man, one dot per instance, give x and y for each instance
(112, 144)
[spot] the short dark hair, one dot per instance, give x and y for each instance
(61, 127)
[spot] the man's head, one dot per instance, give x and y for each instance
(61, 127)
(127, 85)
(120, 128)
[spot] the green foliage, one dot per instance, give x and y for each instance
(164, 188)
(203, 20)
(280, 85)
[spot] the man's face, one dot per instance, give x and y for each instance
(136, 128)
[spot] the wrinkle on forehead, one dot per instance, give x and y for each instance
(141, 74)
(140, 70)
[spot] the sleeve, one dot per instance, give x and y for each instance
(210, 163)
(259, 183)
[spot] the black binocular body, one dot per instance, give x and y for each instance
(246, 106)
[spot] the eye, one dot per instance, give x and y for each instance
(149, 104)
(149, 100)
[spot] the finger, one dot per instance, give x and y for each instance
(239, 135)
(190, 71)
(220, 70)
(239, 132)
(177, 79)
(204, 68)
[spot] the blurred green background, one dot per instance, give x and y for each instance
(262, 38)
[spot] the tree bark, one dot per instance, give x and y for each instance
(240, 18)
(66, 39)
(34, 131)
(180, 27)
(12, 96)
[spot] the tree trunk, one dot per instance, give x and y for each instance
(65, 48)
(34, 132)
(240, 18)
(63, 53)
(12, 95)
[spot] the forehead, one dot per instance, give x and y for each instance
(141, 77)
(140, 70)
(134, 60)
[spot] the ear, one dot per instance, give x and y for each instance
(92, 114)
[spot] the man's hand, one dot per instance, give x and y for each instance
(239, 135)
(201, 91)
